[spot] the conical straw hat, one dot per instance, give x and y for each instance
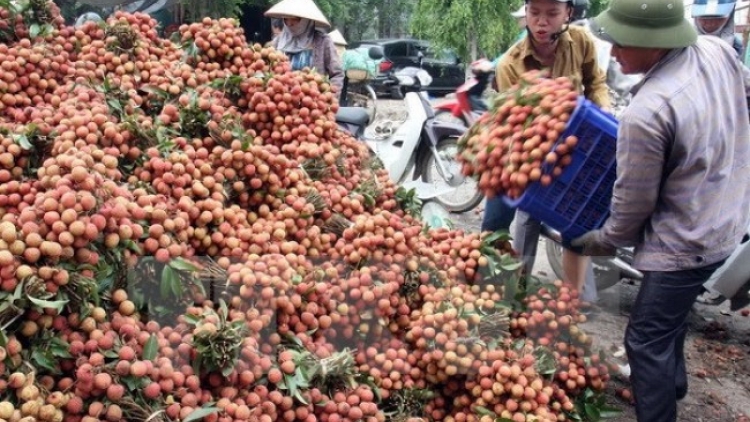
(298, 9)
(336, 37)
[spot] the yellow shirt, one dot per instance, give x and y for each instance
(575, 58)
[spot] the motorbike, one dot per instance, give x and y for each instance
(730, 282)
(468, 104)
(421, 153)
(357, 92)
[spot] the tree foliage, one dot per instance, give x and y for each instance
(198, 9)
(470, 27)
(596, 7)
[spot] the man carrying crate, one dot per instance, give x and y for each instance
(683, 182)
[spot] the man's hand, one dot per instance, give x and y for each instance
(592, 244)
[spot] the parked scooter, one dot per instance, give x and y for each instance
(392, 83)
(421, 153)
(468, 103)
(730, 282)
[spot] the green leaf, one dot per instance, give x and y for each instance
(168, 279)
(43, 360)
(24, 142)
(132, 383)
(131, 245)
(49, 304)
(114, 105)
(182, 265)
(47, 29)
(511, 287)
(155, 91)
(545, 361)
(110, 354)
(227, 370)
(288, 383)
(192, 319)
(483, 411)
(60, 350)
(591, 411)
(494, 237)
(34, 30)
(151, 348)
(201, 413)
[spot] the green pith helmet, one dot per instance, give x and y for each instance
(645, 23)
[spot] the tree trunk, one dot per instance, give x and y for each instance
(387, 18)
(473, 50)
(382, 13)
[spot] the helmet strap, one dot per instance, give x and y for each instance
(556, 35)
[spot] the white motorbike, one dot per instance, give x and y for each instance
(421, 153)
(730, 282)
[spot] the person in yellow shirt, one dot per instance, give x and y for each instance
(564, 50)
(555, 45)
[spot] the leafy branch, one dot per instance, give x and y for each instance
(218, 343)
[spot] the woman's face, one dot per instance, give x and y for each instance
(711, 23)
(292, 23)
(545, 18)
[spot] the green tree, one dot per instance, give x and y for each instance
(195, 10)
(596, 7)
(470, 27)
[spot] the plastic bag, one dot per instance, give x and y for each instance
(357, 60)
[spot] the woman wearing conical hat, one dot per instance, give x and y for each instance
(303, 42)
(338, 41)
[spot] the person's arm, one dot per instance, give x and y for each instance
(594, 79)
(333, 64)
(641, 155)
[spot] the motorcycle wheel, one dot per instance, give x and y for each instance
(466, 196)
(447, 116)
(604, 278)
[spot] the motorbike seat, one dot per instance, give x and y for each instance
(353, 115)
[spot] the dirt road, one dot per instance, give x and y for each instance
(717, 348)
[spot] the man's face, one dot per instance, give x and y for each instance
(634, 60)
(545, 18)
(711, 24)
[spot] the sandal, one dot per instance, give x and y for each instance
(589, 309)
(710, 298)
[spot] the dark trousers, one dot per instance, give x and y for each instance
(497, 214)
(655, 340)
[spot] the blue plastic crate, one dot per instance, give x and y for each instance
(578, 200)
